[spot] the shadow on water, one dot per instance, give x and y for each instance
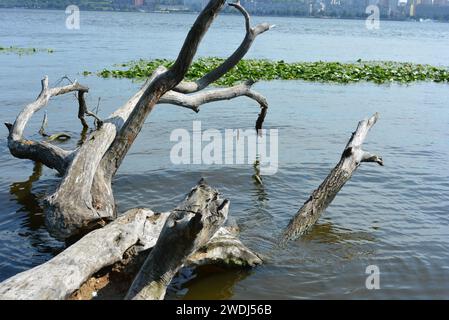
(327, 233)
(33, 222)
(329, 243)
(207, 283)
(28, 200)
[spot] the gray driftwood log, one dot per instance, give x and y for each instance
(202, 213)
(84, 200)
(189, 227)
(353, 155)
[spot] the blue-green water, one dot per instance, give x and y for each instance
(395, 217)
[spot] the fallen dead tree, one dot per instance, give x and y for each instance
(84, 200)
(193, 230)
(190, 235)
(353, 155)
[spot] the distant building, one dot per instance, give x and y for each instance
(428, 9)
(389, 9)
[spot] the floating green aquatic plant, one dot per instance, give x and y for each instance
(23, 51)
(336, 72)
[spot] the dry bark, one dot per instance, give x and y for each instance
(353, 155)
(84, 200)
(138, 230)
(188, 228)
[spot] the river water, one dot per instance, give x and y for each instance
(395, 217)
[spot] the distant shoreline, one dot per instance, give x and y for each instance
(232, 13)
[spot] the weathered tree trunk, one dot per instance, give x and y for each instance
(188, 228)
(84, 199)
(352, 157)
(138, 229)
(44, 152)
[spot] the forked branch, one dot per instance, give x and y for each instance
(231, 61)
(41, 151)
(84, 111)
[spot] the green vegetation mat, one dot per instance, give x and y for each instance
(23, 51)
(378, 71)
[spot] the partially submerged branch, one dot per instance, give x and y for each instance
(352, 157)
(188, 228)
(41, 151)
(84, 111)
(137, 229)
(57, 136)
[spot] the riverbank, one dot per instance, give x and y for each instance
(226, 12)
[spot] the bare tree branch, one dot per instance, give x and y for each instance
(194, 101)
(161, 84)
(87, 187)
(320, 199)
(83, 110)
(231, 62)
(43, 126)
(44, 152)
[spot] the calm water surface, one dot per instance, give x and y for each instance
(395, 217)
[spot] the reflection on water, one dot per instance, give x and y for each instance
(28, 200)
(326, 232)
(33, 223)
(22, 219)
(212, 283)
(259, 189)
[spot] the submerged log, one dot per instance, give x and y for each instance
(224, 251)
(188, 228)
(353, 155)
(60, 276)
(137, 230)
